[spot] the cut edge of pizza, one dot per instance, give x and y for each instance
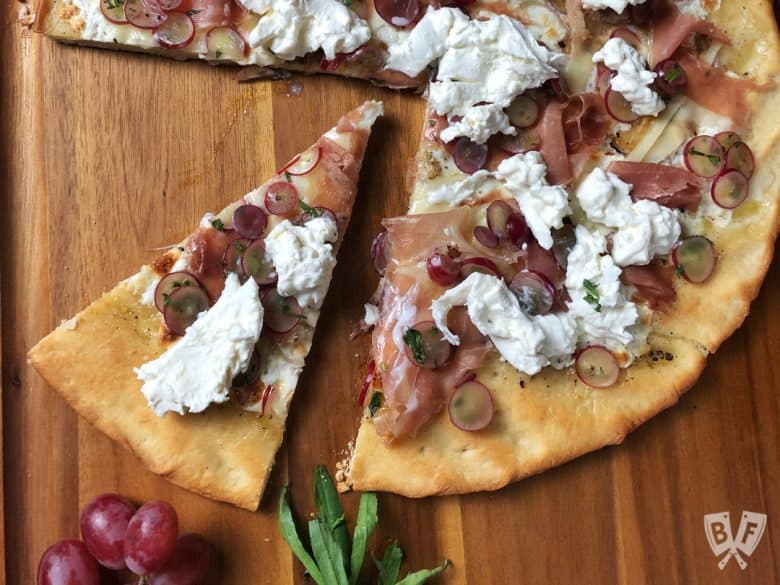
(542, 420)
(192, 362)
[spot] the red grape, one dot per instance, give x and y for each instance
(103, 525)
(442, 269)
(150, 537)
(192, 562)
(68, 562)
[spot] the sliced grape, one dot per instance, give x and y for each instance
(399, 13)
(478, 264)
(618, 107)
(520, 143)
(310, 213)
(443, 269)
(469, 156)
(225, 42)
(304, 163)
(471, 406)
(176, 32)
(425, 346)
(281, 198)
(694, 259)
(627, 35)
(144, 13)
(730, 189)
(103, 525)
(169, 283)
(517, 230)
(68, 562)
(282, 314)
(257, 264)
(485, 236)
(231, 259)
(739, 157)
(498, 214)
(380, 252)
(183, 307)
(250, 221)
(704, 156)
(534, 291)
(671, 79)
(728, 139)
(169, 5)
(193, 561)
(523, 112)
(596, 366)
(150, 537)
(603, 79)
(114, 11)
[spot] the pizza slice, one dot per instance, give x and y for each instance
(192, 362)
(563, 277)
(311, 36)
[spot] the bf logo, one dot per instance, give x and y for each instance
(719, 535)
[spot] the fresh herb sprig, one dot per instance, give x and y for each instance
(333, 560)
(414, 339)
(592, 294)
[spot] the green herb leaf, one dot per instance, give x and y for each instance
(218, 54)
(218, 225)
(290, 536)
(288, 177)
(113, 4)
(715, 160)
(238, 246)
(424, 575)
(592, 295)
(673, 74)
(376, 402)
(414, 340)
(366, 522)
(321, 547)
(330, 512)
(309, 210)
(346, 2)
(390, 565)
(679, 270)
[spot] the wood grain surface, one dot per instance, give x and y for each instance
(106, 156)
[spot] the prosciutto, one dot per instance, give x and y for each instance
(553, 148)
(576, 20)
(670, 28)
(713, 89)
(654, 284)
(666, 185)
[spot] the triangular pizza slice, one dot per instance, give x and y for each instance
(192, 362)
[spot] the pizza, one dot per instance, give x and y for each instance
(192, 362)
(588, 222)
(268, 37)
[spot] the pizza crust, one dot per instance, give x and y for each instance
(555, 418)
(224, 453)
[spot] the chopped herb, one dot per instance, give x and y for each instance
(673, 74)
(679, 270)
(113, 4)
(414, 340)
(218, 54)
(309, 210)
(287, 310)
(166, 299)
(191, 12)
(592, 295)
(218, 225)
(431, 122)
(288, 177)
(715, 160)
(376, 402)
(346, 2)
(238, 246)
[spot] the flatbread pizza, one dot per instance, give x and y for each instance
(192, 362)
(572, 256)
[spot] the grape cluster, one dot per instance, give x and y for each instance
(118, 536)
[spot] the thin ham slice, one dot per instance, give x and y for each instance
(666, 185)
(712, 88)
(553, 148)
(654, 284)
(585, 123)
(209, 13)
(576, 20)
(670, 28)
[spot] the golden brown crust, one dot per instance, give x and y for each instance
(554, 418)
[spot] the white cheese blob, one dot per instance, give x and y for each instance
(488, 61)
(527, 343)
(617, 5)
(633, 80)
(607, 317)
(293, 28)
(524, 176)
(96, 26)
(644, 228)
(695, 7)
(371, 314)
(198, 369)
(479, 124)
(303, 258)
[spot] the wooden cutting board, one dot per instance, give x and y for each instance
(106, 156)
